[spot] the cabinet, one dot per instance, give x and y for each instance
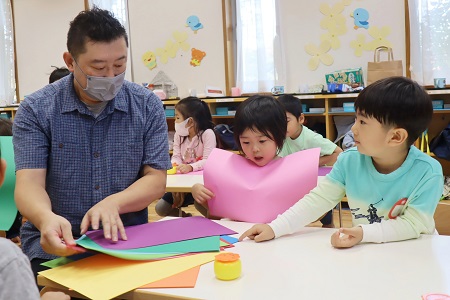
(441, 117)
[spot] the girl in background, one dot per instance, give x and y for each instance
(193, 142)
(259, 130)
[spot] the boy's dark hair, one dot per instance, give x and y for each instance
(58, 73)
(397, 101)
(6, 127)
(292, 104)
(193, 107)
(264, 114)
(95, 25)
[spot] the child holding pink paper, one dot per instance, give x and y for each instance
(405, 183)
(259, 130)
(193, 142)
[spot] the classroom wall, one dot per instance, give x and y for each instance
(301, 25)
(41, 27)
(163, 32)
(41, 31)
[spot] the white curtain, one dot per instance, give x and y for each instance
(430, 40)
(7, 74)
(260, 59)
(120, 10)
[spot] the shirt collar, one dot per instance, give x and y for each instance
(71, 102)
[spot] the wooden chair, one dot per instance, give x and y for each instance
(442, 217)
(8, 209)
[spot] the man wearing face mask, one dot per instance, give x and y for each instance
(91, 149)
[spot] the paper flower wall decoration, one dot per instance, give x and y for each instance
(333, 35)
(359, 45)
(319, 55)
(169, 51)
(181, 40)
(333, 15)
(379, 37)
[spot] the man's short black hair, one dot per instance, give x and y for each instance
(97, 25)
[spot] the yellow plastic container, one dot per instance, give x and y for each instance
(227, 266)
(172, 171)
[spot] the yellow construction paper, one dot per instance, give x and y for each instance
(105, 277)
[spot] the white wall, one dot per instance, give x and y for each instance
(42, 25)
(300, 25)
(41, 31)
(152, 28)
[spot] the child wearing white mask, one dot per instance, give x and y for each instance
(193, 142)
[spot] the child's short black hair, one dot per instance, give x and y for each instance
(397, 101)
(264, 114)
(292, 104)
(57, 74)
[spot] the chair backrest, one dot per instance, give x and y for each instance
(8, 209)
(442, 217)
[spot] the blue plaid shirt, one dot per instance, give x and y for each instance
(87, 158)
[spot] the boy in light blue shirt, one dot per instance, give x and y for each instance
(392, 187)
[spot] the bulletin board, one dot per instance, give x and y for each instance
(164, 34)
(308, 26)
(41, 33)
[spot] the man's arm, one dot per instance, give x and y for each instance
(150, 187)
(33, 202)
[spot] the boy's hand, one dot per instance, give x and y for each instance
(350, 237)
(201, 194)
(259, 233)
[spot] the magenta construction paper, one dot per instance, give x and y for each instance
(246, 192)
(324, 170)
(162, 232)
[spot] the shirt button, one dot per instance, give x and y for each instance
(96, 154)
(61, 145)
(97, 187)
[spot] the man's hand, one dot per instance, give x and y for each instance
(56, 236)
(105, 212)
(347, 237)
(259, 233)
(201, 194)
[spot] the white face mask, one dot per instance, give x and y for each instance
(181, 128)
(102, 88)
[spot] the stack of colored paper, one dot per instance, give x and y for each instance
(173, 247)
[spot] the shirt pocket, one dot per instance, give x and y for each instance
(66, 163)
(126, 162)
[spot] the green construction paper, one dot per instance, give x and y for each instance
(60, 261)
(8, 209)
(206, 244)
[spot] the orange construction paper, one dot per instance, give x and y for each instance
(105, 277)
(186, 279)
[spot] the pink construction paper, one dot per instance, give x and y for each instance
(246, 192)
(162, 232)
